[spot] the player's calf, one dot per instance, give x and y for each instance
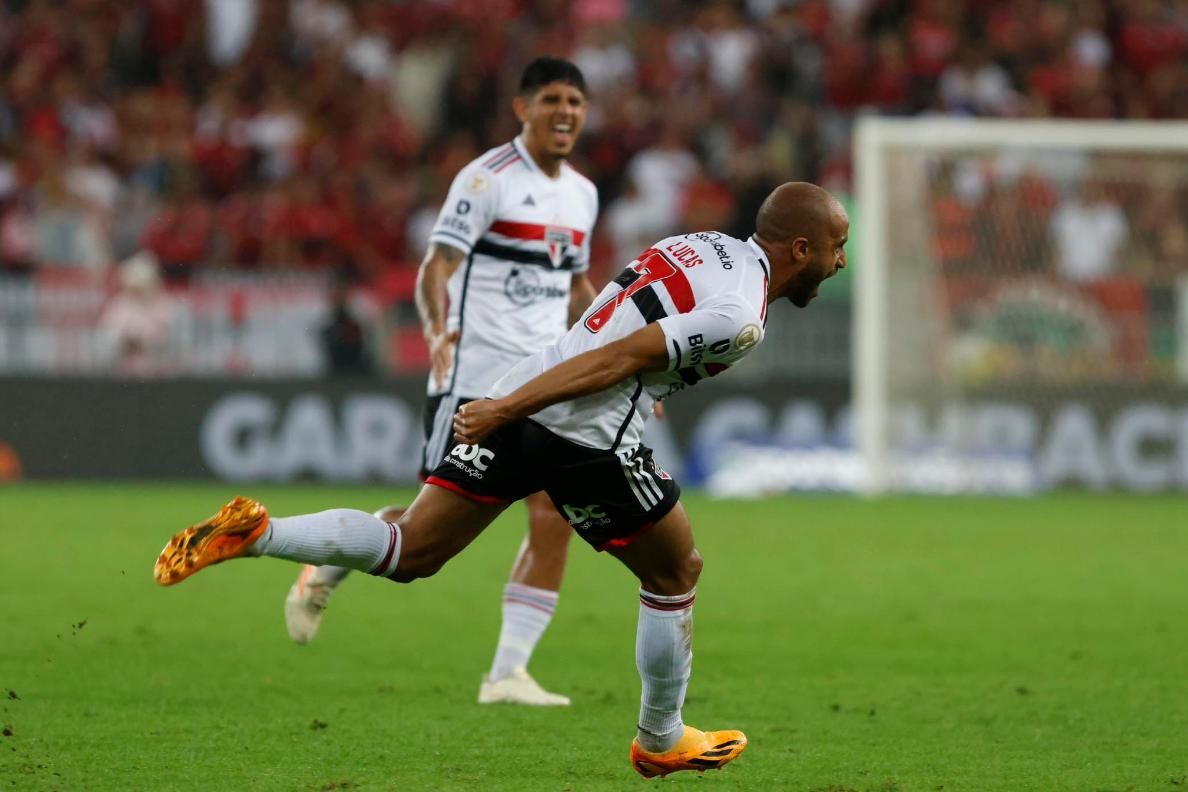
(437, 526)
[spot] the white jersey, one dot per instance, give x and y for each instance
(706, 290)
(524, 235)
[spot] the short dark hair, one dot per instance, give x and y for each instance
(543, 71)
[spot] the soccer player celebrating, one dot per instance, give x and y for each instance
(505, 275)
(568, 420)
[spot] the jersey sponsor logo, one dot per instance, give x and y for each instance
(698, 348)
(558, 240)
(523, 287)
(584, 517)
(714, 240)
(477, 457)
(456, 223)
(747, 338)
(528, 201)
(477, 182)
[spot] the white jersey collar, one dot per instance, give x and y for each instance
(522, 150)
(761, 255)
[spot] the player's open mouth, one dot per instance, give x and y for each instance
(562, 133)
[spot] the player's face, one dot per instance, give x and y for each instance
(822, 258)
(553, 117)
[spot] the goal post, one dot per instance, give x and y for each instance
(1016, 304)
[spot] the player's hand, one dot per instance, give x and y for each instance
(441, 355)
(658, 410)
(475, 420)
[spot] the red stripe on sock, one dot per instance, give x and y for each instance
(668, 606)
(379, 570)
(487, 500)
(540, 608)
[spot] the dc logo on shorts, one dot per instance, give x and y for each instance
(579, 516)
(474, 454)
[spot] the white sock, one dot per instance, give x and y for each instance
(527, 611)
(330, 576)
(664, 657)
(341, 537)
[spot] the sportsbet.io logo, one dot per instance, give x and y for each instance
(470, 459)
(523, 287)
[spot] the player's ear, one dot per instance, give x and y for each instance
(520, 106)
(800, 249)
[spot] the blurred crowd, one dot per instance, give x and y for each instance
(1078, 219)
(322, 134)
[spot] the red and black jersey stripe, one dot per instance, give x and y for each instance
(532, 232)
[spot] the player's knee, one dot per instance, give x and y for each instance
(548, 532)
(678, 577)
(415, 567)
(422, 555)
(692, 567)
(391, 513)
(549, 535)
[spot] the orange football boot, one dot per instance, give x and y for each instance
(227, 534)
(697, 750)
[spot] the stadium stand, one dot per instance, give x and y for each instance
(299, 141)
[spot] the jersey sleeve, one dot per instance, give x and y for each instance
(581, 262)
(715, 334)
(468, 211)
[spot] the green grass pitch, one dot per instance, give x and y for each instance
(905, 644)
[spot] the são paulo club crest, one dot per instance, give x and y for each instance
(558, 241)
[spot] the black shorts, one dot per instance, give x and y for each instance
(608, 498)
(438, 420)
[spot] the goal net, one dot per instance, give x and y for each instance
(1021, 314)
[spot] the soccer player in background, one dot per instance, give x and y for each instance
(568, 420)
(504, 276)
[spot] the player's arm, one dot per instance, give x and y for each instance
(581, 294)
(590, 372)
(439, 265)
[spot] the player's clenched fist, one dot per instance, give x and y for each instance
(475, 420)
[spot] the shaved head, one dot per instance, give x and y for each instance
(795, 209)
(804, 230)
